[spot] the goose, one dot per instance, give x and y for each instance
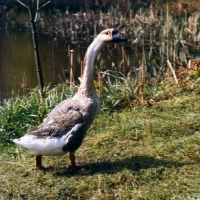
(65, 127)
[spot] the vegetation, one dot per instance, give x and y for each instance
(145, 142)
(155, 36)
(148, 151)
(18, 115)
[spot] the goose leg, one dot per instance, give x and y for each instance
(73, 163)
(78, 170)
(38, 162)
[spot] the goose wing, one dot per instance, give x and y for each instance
(61, 119)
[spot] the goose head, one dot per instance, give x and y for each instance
(110, 35)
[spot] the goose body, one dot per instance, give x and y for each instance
(65, 127)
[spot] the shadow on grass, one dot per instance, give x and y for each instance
(135, 164)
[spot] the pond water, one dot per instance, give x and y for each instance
(17, 63)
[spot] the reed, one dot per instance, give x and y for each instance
(24, 85)
(71, 69)
(167, 34)
(173, 72)
(100, 81)
(141, 94)
(81, 69)
(165, 38)
(20, 114)
(123, 61)
(124, 69)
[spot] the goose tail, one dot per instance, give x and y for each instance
(24, 141)
(17, 141)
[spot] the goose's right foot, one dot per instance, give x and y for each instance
(73, 163)
(38, 162)
(78, 170)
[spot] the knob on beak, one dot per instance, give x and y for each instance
(117, 37)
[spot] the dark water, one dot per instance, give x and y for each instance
(17, 64)
(143, 28)
(16, 58)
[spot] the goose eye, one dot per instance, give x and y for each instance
(107, 33)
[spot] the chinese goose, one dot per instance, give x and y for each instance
(65, 127)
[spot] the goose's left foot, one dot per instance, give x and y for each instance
(38, 162)
(78, 170)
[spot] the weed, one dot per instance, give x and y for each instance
(146, 152)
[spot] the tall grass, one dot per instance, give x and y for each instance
(20, 114)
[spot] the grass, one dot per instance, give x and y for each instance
(142, 152)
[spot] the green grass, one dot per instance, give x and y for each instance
(146, 152)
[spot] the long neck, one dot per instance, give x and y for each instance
(87, 81)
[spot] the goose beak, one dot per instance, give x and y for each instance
(116, 37)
